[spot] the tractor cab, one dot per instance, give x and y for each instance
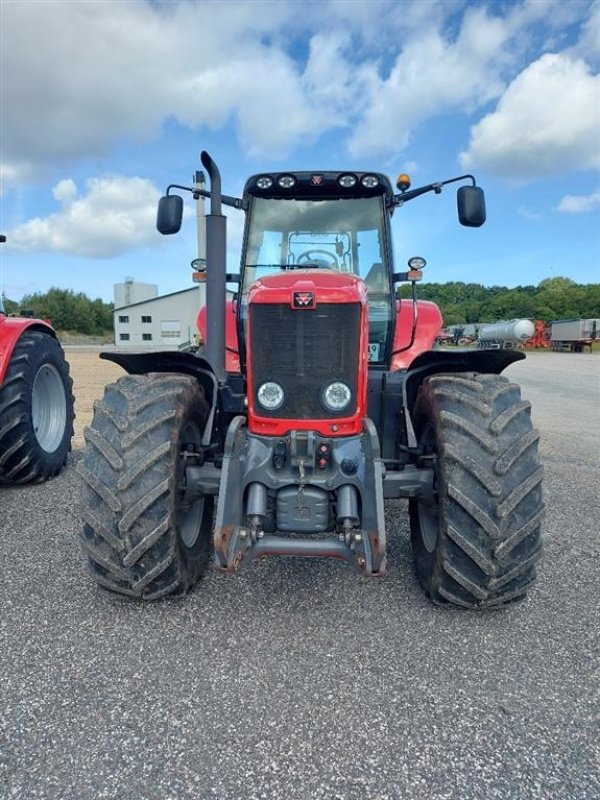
(322, 222)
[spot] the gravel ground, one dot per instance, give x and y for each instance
(298, 679)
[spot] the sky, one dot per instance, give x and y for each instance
(105, 102)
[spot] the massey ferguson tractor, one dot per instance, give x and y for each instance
(36, 400)
(329, 400)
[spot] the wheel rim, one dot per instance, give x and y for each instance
(48, 407)
(189, 514)
(428, 513)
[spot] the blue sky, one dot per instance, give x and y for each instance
(106, 102)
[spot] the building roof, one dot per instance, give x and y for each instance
(154, 299)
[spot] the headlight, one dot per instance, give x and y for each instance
(416, 262)
(336, 396)
(270, 395)
(369, 181)
(264, 182)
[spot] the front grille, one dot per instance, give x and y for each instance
(304, 351)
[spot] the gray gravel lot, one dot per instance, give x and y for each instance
(299, 679)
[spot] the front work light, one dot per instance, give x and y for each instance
(369, 181)
(270, 395)
(286, 181)
(336, 396)
(347, 181)
(264, 182)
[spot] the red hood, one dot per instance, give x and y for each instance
(329, 286)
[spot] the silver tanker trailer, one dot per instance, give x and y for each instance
(505, 335)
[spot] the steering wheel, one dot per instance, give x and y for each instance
(309, 255)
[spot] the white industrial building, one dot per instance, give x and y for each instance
(130, 291)
(165, 322)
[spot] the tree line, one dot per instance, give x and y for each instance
(551, 299)
(67, 311)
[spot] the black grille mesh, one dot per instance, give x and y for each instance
(304, 351)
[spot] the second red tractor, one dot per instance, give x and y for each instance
(36, 400)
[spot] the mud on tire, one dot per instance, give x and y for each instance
(36, 410)
(478, 546)
(141, 538)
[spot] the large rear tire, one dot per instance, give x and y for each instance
(142, 538)
(477, 544)
(36, 410)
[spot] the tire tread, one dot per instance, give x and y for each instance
(22, 459)
(489, 483)
(129, 487)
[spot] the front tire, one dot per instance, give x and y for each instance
(476, 545)
(141, 537)
(36, 410)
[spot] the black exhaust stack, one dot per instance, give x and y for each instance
(2, 240)
(216, 292)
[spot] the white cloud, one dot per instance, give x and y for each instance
(82, 87)
(65, 191)
(107, 70)
(588, 46)
(447, 67)
(579, 204)
(547, 122)
(115, 215)
(284, 72)
(430, 76)
(533, 216)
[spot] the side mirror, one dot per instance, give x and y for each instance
(471, 206)
(169, 214)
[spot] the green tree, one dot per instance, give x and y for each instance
(552, 299)
(71, 312)
(9, 305)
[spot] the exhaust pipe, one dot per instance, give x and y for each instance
(216, 292)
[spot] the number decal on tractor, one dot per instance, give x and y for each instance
(374, 351)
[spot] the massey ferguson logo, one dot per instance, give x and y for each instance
(316, 180)
(303, 300)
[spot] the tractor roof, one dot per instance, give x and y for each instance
(317, 185)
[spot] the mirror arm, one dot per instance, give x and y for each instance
(403, 197)
(234, 202)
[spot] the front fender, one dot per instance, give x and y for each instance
(178, 362)
(435, 361)
(168, 361)
(11, 330)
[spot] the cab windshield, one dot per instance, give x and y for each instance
(346, 234)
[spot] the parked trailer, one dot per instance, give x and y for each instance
(574, 334)
(505, 335)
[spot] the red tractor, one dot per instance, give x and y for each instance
(332, 400)
(36, 400)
